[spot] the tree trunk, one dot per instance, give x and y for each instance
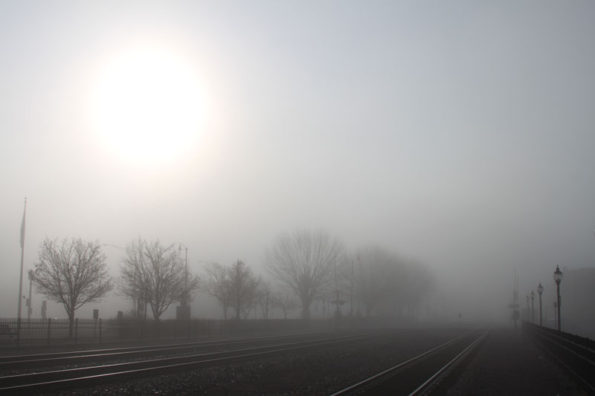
(156, 313)
(238, 307)
(306, 311)
(70, 314)
(306, 303)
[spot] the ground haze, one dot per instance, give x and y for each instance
(457, 136)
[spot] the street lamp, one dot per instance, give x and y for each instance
(532, 306)
(558, 279)
(540, 292)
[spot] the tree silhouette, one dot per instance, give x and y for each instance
(72, 273)
(235, 287)
(155, 275)
(305, 261)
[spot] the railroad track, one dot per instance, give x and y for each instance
(50, 380)
(569, 352)
(93, 356)
(419, 374)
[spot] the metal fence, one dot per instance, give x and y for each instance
(46, 331)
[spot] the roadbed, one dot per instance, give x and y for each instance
(510, 363)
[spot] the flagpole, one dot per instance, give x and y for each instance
(21, 275)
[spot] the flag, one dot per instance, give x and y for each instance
(23, 226)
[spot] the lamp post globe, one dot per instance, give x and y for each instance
(540, 292)
(558, 279)
(558, 275)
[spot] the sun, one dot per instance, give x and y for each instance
(148, 106)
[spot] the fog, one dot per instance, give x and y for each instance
(459, 134)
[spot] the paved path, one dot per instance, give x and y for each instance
(509, 363)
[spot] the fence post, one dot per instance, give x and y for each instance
(49, 329)
(76, 330)
(100, 331)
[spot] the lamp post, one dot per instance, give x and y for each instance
(532, 306)
(558, 279)
(540, 292)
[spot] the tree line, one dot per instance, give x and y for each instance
(306, 266)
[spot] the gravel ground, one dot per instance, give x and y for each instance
(509, 363)
(176, 351)
(308, 372)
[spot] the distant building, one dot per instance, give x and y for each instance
(577, 292)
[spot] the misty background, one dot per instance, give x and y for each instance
(459, 134)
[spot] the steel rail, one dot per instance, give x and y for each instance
(86, 376)
(406, 363)
(16, 357)
(74, 357)
(438, 374)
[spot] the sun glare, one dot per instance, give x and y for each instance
(148, 107)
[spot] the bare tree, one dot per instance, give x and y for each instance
(391, 283)
(216, 284)
(419, 282)
(285, 302)
(235, 287)
(379, 275)
(264, 298)
(155, 275)
(305, 261)
(132, 280)
(72, 273)
(244, 288)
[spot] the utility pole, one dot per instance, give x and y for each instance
(183, 311)
(21, 273)
(29, 300)
(185, 275)
(515, 299)
(351, 294)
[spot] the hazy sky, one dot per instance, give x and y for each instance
(460, 133)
